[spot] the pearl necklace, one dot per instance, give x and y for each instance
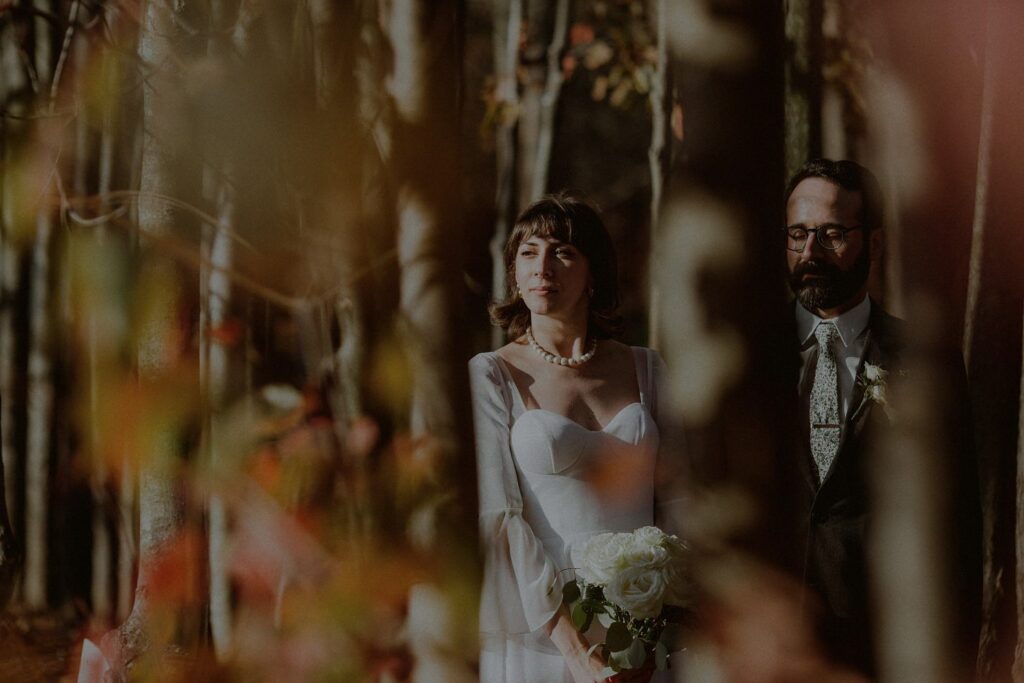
(573, 362)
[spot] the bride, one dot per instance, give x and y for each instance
(558, 411)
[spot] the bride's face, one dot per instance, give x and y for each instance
(553, 277)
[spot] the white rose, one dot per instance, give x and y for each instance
(603, 556)
(638, 590)
(645, 550)
(650, 535)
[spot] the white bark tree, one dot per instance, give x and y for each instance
(168, 168)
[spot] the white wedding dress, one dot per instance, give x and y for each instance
(538, 504)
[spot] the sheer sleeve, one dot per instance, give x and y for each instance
(522, 589)
(670, 472)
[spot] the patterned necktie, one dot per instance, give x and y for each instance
(825, 425)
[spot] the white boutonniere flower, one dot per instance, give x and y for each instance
(874, 380)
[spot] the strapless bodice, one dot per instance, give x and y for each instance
(578, 482)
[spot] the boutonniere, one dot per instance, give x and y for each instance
(873, 378)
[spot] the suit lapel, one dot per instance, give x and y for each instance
(856, 417)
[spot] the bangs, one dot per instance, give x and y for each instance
(547, 226)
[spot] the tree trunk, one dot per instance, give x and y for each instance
(40, 417)
(924, 105)
(216, 375)
(426, 42)
(803, 82)
(508, 21)
(39, 393)
(978, 224)
(168, 168)
(12, 84)
(549, 101)
(992, 593)
(910, 490)
(718, 246)
(658, 153)
(215, 355)
(988, 624)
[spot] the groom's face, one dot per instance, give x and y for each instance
(828, 280)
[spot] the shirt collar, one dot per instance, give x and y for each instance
(850, 324)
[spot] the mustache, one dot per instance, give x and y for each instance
(820, 268)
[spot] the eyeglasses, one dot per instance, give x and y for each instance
(830, 237)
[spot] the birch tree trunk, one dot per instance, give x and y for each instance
(99, 356)
(337, 46)
(532, 76)
(549, 101)
(658, 153)
(39, 417)
(426, 40)
(214, 355)
(168, 167)
(39, 393)
(13, 85)
(508, 21)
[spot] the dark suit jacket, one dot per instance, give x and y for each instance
(838, 515)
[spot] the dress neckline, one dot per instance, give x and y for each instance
(518, 397)
(601, 430)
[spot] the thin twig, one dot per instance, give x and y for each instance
(64, 52)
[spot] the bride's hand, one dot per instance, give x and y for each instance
(587, 668)
(641, 675)
(590, 672)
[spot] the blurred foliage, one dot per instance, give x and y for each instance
(610, 48)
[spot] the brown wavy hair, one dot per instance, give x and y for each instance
(568, 219)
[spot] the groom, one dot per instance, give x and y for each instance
(833, 235)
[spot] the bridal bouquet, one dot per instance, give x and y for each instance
(635, 585)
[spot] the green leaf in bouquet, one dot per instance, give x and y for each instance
(618, 637)
(581, 618)
(570, 592)
(670, 636)
(661, 656)
(636, 654)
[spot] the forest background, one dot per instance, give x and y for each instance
(246, 251)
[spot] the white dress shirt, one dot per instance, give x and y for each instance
(853, 328)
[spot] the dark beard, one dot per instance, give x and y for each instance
(836, 287)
